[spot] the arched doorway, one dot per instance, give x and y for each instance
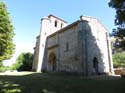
(95, 65)
(52, 61)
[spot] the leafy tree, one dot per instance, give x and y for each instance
(119, 32)
(23, 62)
(1, 64)
(3, 68)
(6, 34)
(119, 6)
(119, 59)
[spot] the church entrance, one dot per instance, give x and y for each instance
(95, 65)
(52, 61)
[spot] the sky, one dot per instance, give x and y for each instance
(26, 14)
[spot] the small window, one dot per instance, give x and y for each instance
(55, 23)
(61, 25)
(67, 46)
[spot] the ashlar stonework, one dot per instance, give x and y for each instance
(82, 47)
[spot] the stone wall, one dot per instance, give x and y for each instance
(74, 46)
(119, 71)
(36, 54)
(96, 46)
(69, 58)
(67, 50)
(47, 28)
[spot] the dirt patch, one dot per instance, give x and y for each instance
(16, 73)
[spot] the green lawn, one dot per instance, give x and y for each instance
(58, 83)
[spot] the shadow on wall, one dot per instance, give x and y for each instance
(94, 56)
(94, 62)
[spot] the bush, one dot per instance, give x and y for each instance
(23, 62)
(119, 60)
(2, 69)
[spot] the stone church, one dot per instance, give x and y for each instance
(82, 47)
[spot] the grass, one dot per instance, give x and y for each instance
(59, 83)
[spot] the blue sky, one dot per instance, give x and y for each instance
(26, 15)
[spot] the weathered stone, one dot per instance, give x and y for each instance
(74, 47)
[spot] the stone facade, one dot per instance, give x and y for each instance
(82, 47)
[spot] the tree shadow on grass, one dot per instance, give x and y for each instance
(58, 83)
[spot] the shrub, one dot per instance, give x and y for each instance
(23, 62)
(119, 60)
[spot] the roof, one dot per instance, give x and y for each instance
(90, 17)
(57, 18)
(65, 28)
(75, 23)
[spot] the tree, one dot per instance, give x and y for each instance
(119, 59)
(119, 32)
(119, 6)
(23, 62)
(3, 68)
(6, 34)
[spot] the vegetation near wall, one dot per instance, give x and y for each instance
(2, 68)
(119, 59)
(23, 62)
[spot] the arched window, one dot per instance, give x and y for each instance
(95, 65)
